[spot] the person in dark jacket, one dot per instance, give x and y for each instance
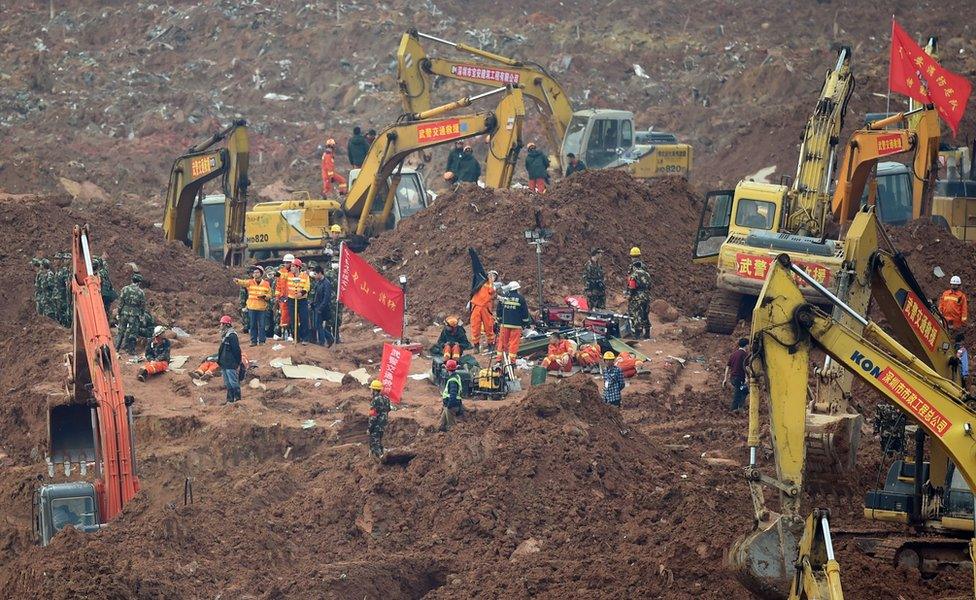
(455, 156)
(575, 164)
(513, 315)
(537, 166)
(157, 355)
(468, 170)
(229, 358)
(322, 307)
(452, 341)
(357, 148)
(451, 397)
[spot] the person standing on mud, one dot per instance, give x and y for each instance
(379, 410)
(229, 359)
(595, 286)
(613, 380)
(451, 397)
(639, 296)
(735, 375)
(132, 305)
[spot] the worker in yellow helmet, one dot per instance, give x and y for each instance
(379, 410)
(332, 241)
(639, 295)
(613, 380)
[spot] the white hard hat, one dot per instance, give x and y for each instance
(288, 258)
(955, 280)
(514, 285)
(159, 330)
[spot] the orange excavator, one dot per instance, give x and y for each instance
(94, 427)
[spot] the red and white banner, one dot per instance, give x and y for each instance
(366, 293)
(394, 370)
(917, 75)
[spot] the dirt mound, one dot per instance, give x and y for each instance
(609, 210)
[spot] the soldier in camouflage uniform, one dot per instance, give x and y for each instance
(62, 297)
(108, 292)
(49, 306)
(595, 286)
(379, 410)
(639, 296)
(130, 318)
(889, 424)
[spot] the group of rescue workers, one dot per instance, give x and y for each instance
(462, 165)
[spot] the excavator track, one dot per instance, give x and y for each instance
(722, 314)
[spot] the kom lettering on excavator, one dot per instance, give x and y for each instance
(92, 427)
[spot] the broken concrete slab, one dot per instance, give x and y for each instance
(177, 362)
(360, 375)
(280, 362)
(310, 372)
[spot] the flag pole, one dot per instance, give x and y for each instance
(335, 324)
(888, 99)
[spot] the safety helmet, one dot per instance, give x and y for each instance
(45, 263)
(376, 384)
(335, 229)
(609, 355)
(258, 268)
(495, 273)
(531, 145)
(452, 321)
(138, 278)
(448, 175)
(955, 280)
(288, 258)
(226, 320)
(635, 251)
(514, 285)
(159, 330)
(468, 149)
(297, 262)
(329, 143)
(451, 365)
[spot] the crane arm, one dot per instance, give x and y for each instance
(203, 163)
(96, 376)
(414, 70)
(396, 141)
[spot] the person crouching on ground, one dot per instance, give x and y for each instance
(229, 358)
(157, 355)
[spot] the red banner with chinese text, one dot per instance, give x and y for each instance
(366, 293)
(394, 370)
(917, 75)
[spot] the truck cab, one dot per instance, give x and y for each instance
(58, 505)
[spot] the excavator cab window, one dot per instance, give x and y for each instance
(213, 220)
(78, 511)
(713, 226)
(755, 214)
(573, 141)
(603, 143)
(410, 197)
(893, 195)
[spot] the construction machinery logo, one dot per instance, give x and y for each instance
(202, 165)
(484, 74)
(922, 321)
(440, 131)
(890, 144)
(904, 394)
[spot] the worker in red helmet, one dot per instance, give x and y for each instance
(229, 359)
(298, 288)
(329, 174)
(451, 396)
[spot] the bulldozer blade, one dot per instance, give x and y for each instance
(70, 434)
(832, 442)
(763, 560)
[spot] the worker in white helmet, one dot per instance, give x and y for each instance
(513, 315)
(157, 355)
(954, 305)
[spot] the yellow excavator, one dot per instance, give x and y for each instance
(741, 231)
(213, 225)
(601, 138)
(380, 194)
(787, 554)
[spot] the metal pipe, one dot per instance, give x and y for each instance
(828, 294)
(434, 38)
(87, 253)
(828, 542)
(752, 456)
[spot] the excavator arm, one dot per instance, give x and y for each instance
(414, 70)
(786, 327)
(200, 164)
(370, 209)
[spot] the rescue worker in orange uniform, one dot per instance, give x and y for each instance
(559, 354)
(954, 305)
(453, 339)
(513, 314)
(483, 312)
(329, 174)
(157, 355)
(281, 297)
(298, 288)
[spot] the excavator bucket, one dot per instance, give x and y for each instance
(832, 442)
(763, 560)
(70, 434)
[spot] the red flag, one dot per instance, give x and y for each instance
(394, 371)
(917, 75)
(366, 293)
(577, 302)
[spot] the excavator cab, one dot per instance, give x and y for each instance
(411, 195)
(213, 208)
(59, 505)
(713, 226)
(599, 137)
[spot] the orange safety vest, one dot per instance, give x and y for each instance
(484, 296)
(298, 284)
(281, 284)
(258, 293)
